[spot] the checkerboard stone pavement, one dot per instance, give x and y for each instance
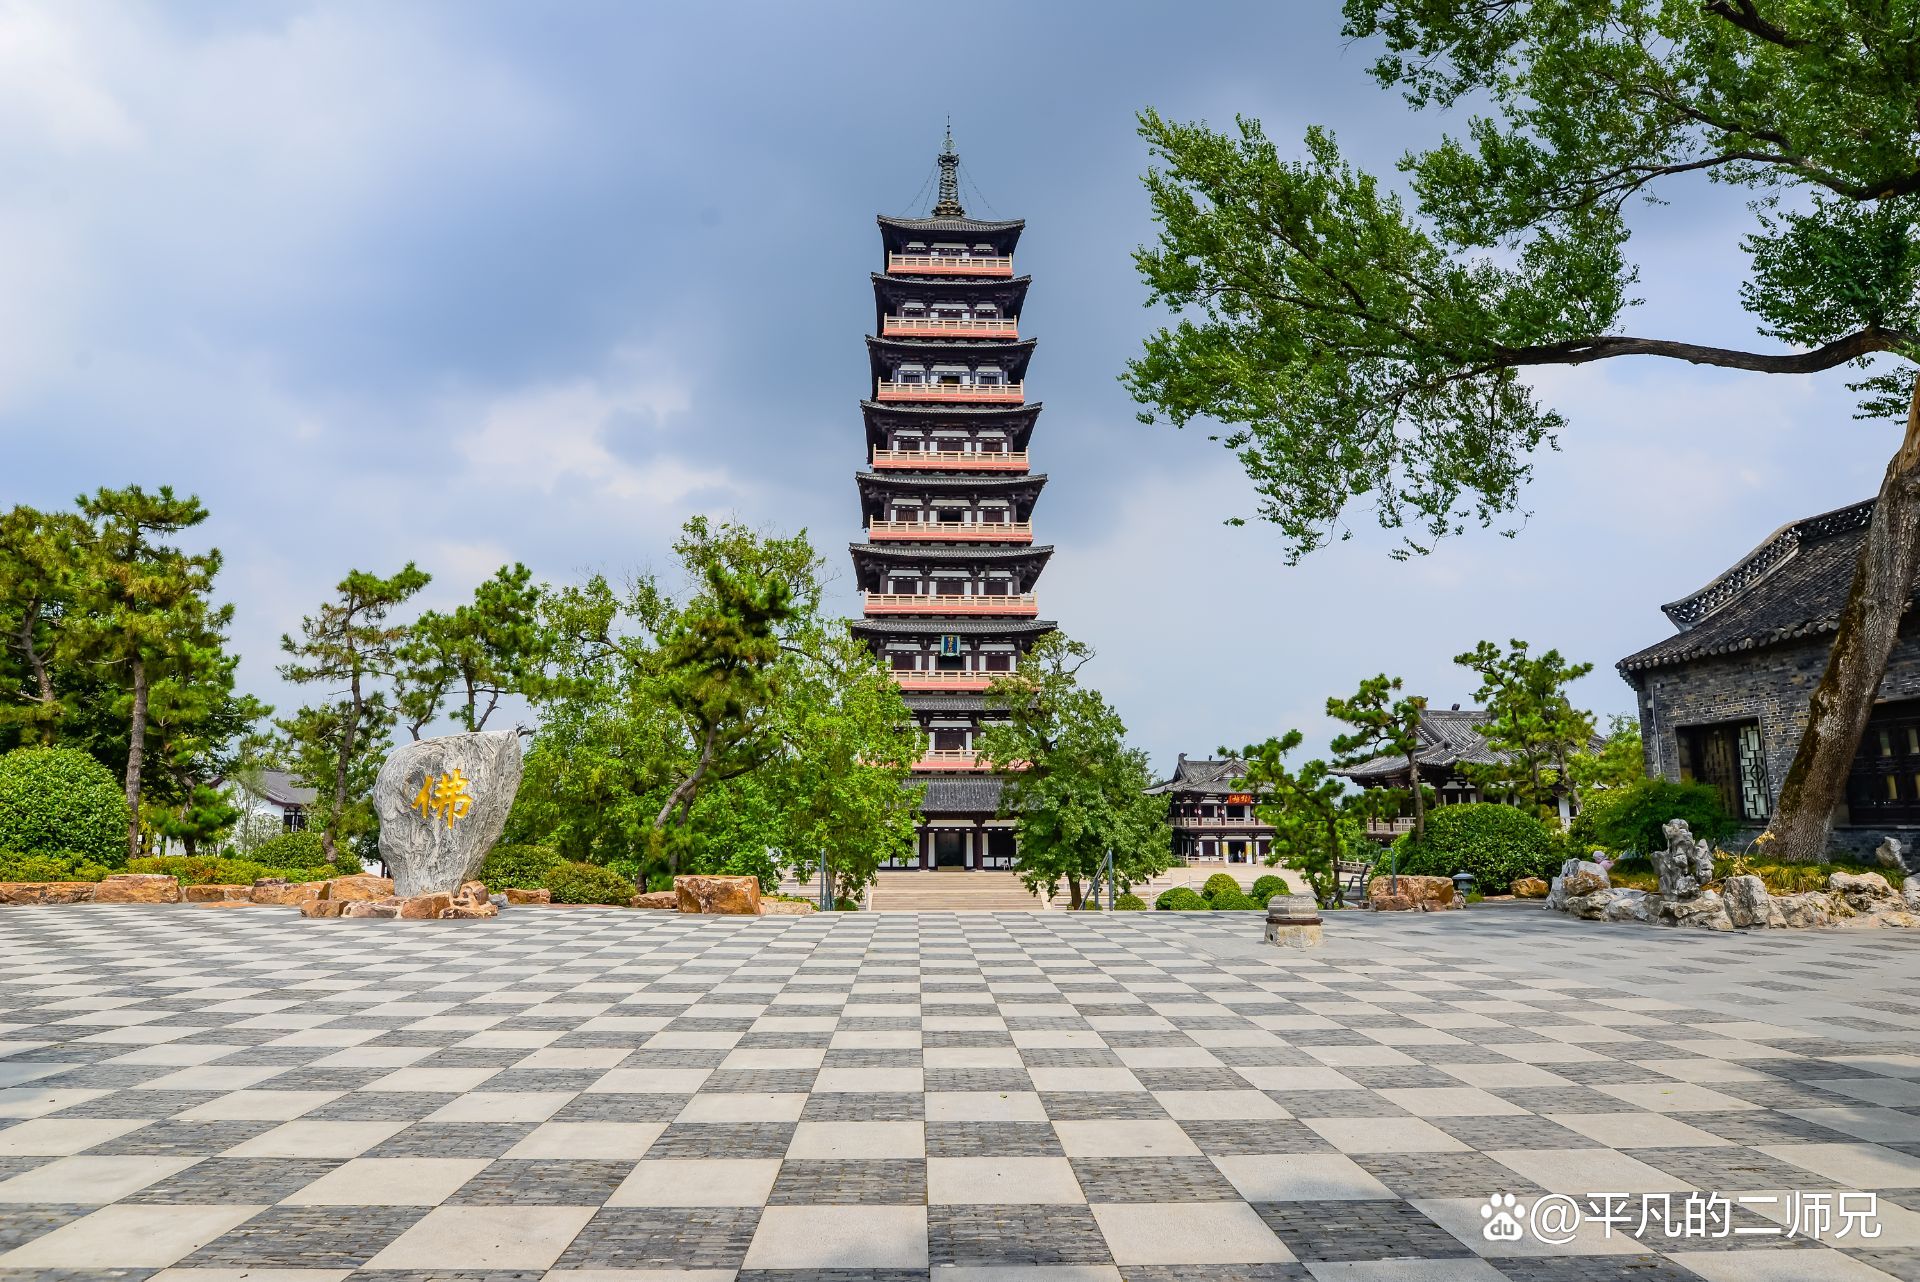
(601, 1095)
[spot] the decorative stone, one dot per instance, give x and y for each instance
(1591, 906)
(369, 908)
(429, 907)
(217, 894)
(358, 886)
(1557, 892)
(1808, 909)
(1863, 892)
(137, 888)
(46, 892)
(1624, 903)
(1424, 893)
(1749, 904)
(1703, 911)
(278, 890)
(1909, 892)
(1529, 888)
(1685, 865)
(541, 896)
(470, 901)
(1888, 853)
(738, 896)
(323, 907)
(1585, 879)
(785, 908)
(443, 804)
(656, 899)
(1390, 903)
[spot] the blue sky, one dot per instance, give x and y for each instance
(465, 283)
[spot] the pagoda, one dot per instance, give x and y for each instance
(948, 568)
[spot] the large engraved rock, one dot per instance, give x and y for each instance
(1685, 865)
(443, 804)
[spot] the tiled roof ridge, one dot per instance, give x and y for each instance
(1773, 552)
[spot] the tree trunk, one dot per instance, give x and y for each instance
(1073, 892)
(136, 753)
(329, 845)
(1869, 627)
(1419, 801)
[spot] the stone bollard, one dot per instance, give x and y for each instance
(1293, 921)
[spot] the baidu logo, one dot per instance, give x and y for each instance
(1502, 1223)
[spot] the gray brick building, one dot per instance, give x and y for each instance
(1724, 700)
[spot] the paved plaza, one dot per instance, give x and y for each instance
(600, 1094)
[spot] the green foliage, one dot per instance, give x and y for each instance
(1530, 720)
(1316, 823)
(518, 867)
(302, 850)
(1266, 886)
(1231, 900)
(1620, 762)
(573, 882)
(60, 799)
(1383, 726)
(1129, 903)
(1180, 899)
(1219, 884)
(1074, 789)
(472, 658)
(51, 866)
(1629, 819)
(1493, 842)
(212, 870)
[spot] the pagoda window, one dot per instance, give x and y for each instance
(996, 662)
(949, 740)
(904, 662)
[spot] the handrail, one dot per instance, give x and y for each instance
(951, 603)
(952, 264)
(935, 678)
(954, 531)
(986, 460)
(891, 390)
(910, 325)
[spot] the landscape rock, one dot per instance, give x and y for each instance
(370, 908)
(1702, 911)
(1427, 894)
(429, 907)
(1627, 904)
(1591, 906)
(1889, 918)
(786, 908)
(278, 890)
(1585, 879)
(1863, 892)
(1808, 909)
(1685, 865)
(323, 907)
(1390, 903)
(1909, 892)
(1749, 904)
(137, 888)
(1585, 869)
(1888, 853)
(1529, 888)
(471, 900)
(712, 894)
(216, 894)
(443, 804)
(46, 892)
(358, 886)
(541, 896)
(656, 899)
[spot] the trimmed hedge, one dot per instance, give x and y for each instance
(1622, 820)
(1219, 884)
(211, 870)
(580, 883)
(1493, 842)
(1180, 899)
(511, 867)
(63, 866)
(58, 801)
(294, 850)
(1231, 900)
(1129, 903)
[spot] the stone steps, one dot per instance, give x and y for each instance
(947, 890)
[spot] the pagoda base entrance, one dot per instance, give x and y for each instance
(950, 849)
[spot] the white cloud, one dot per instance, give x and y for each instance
(52, 86)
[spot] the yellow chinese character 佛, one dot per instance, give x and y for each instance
(445, 797)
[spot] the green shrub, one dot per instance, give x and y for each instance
(63, 866)
(215, 870)
(754, 863)
(302, 850)
(578, 883)
(1266, 886)
(510, 867)
(1180, 899)
(1630, 818)
(1129, 903)
(1493, 842)
(57, 801)
(1218, 884)
(1229, 900)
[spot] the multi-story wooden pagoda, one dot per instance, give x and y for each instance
(948, 569)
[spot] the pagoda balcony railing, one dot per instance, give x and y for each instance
(1022, 603)
(1389, 827)
(954, 393)
(949, 327)
(949, 759)
(951, 531)
(1214, 821)
(943, 679)
(956, 460)
(951, 264)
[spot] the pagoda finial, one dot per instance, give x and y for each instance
(948, 206)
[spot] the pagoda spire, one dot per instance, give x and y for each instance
(948, 206)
